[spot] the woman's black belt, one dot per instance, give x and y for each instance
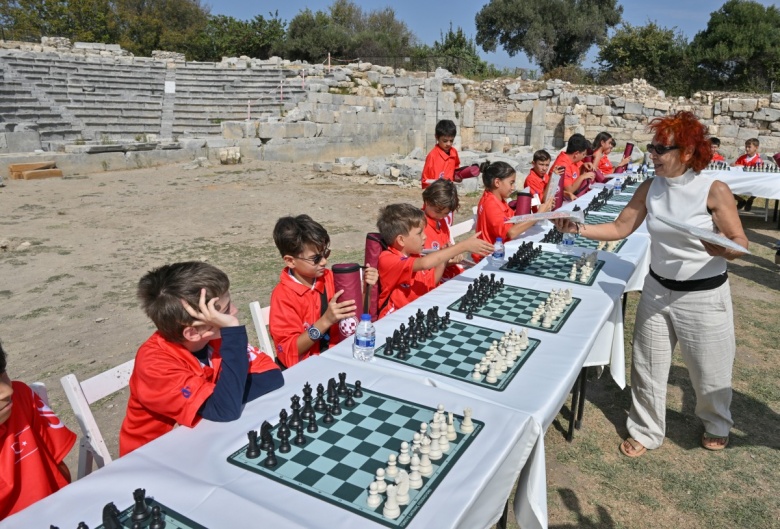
(691, 285)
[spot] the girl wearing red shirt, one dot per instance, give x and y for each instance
(604, 144)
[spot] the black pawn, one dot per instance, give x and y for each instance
(137, 525)
(295, 419)
(252, 450)
(388, 350)
(157, 521)
(283, 428)
(319, 404)
(349, 402)
(358, 393)
(402, 352)
(336, 407)
(470, 314)
(141, 511)
(284, 445)
(328, 417)
(299, 440)
(270, 460)
(82, 525)
(312, 428)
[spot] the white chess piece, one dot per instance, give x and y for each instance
(425, 445)
(435, 452)
(444, 443)
(403, 458)
(423, 429)
(416, 443)
(426, 469)
(415, 478)
(373, 500)
(476, 375)
(467, 426)
(491, 375)
(391, 509)
(402, 491)
(392, 470)
(451, 434)
(381, 485)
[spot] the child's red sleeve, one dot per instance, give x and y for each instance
(56, 436)
(286, 324)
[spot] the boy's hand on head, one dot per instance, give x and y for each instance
(476, 245)
(370, 275)
(209, 314)
(339, 311)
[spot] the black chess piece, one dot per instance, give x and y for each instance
(307, 410)
(284, 444)
(335, 409)
(328, 417)
(312, 428)
(157, 520)
(319, 404)
(283, 428)
(331, 390)
(82, 525)
(349, 402)
(299, 440)
(388, 350)
(342, 389)
(295, 418)
(141, 511)
(252, 449)
(270, 461)
(470, 314)
(136, 525)
(402, 352)
(358, 393)
(265, 437)
(111, 517)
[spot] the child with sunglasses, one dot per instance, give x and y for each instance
(305, 307)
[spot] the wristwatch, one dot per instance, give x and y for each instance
(314, 333)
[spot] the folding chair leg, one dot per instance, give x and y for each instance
(575, 396)
(583, 385)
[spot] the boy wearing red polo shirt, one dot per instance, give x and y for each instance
(573, 179)
(716, 155)
(406, 275)
(440, 200)
(538, 178)
(305, 308)
(443, 159)
(199, 363)
(751, 158)
(33, 445)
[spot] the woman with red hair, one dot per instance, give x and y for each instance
(686, 297)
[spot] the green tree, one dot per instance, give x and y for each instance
(78, 20)
(553, 33)
(740, 48)
(172, 25)
(657, 54)
(462, 51)
(226, 36)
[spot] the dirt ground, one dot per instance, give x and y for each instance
(73, 250)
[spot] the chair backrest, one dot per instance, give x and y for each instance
(39, 388)
(92, 446)
(261, 317)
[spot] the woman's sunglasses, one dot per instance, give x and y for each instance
(317, 257)
(660, 150)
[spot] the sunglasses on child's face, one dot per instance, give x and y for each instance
(660, 150)
(317, 257)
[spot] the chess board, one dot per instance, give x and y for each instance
(611, 208)
(515, 305)
(624, 197)
(339, 461)
(593, 218)
(555, 266)
(455, 351)
(582, 242)
(172, 519)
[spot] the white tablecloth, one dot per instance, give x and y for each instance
(764, 185)
(187, 470)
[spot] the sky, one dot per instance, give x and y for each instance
(428, 19)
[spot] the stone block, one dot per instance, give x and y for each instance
(323, 116)
(372, 77)
(469, 113)
(593, 100)
(525, 106)
(618, 102)
(633, 107)
(433, 85)
(511, 88)
(27, 141)
(570, 120)
(776, 97)
(728, 131)
(767, 114)
(233, 130)
(545, 94)
(525, 96)
(600, 110)
(746, 133)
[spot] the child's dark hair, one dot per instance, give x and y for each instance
(752, 141)
(542, 156)
(442, 194)
(3, 361)
(577, 143)
(293, 234)
(446, 127)
(601, 137)
(398, 219)
(715, 141)
(162, 291)
(491, 171)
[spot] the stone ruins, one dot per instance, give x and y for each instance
(96, 107)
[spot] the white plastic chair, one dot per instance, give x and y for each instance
(261, 317)
(39, 388)
(92, 447)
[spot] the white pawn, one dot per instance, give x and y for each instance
(425, 446)
(467, 426)
(373, 500)
(435, 452)
(440, 409)
(451, 435)
(416, 443)
(403, 458)
(444, 443)
(423, 429)
(426, 469)
(392, 470)
(402, 491)
(491, 376)
(391, 509)
(381, 486)
(476, 375)
(415, 478)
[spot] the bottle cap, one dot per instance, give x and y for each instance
(499, 239)
(365, 317)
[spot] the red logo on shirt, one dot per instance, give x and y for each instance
(20, 446)
(44, 411)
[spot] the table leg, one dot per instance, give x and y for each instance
(575, 396)
(774, 214)
(581, 409)
(624, 301)
(502, 522)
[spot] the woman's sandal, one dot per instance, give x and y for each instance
(714, 442)
(632, 448)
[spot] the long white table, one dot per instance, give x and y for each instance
(187, 469)
(758, 184)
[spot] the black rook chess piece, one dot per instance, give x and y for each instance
(252, 450)
(141, 511)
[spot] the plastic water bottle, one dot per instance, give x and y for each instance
(617, 186)
(365, 339)
(498, 251)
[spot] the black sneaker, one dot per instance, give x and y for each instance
(749, 203)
